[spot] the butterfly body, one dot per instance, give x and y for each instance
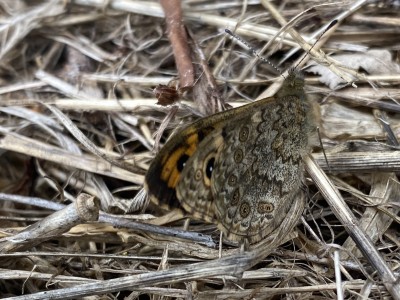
(241, 168)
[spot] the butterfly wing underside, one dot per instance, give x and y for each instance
(241, 168)
(194, 188)
(261, 164)
(165, 171)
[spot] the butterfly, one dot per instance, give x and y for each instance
(242, 168)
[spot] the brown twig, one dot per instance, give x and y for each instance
(179, 42)
(84, 209)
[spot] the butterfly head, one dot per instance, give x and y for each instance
(293, 84)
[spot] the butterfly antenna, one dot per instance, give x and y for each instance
(333, 23)
(255, 53)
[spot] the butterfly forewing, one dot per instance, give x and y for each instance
(165, 170)
(194, 188)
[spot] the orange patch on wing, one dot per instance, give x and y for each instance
(192, 140)
(170, 173)
(169, 169)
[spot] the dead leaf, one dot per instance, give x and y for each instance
(374, 62)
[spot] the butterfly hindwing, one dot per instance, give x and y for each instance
(261, 161)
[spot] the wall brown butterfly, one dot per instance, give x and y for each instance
(242, 168)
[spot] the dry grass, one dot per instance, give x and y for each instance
(78, 116)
